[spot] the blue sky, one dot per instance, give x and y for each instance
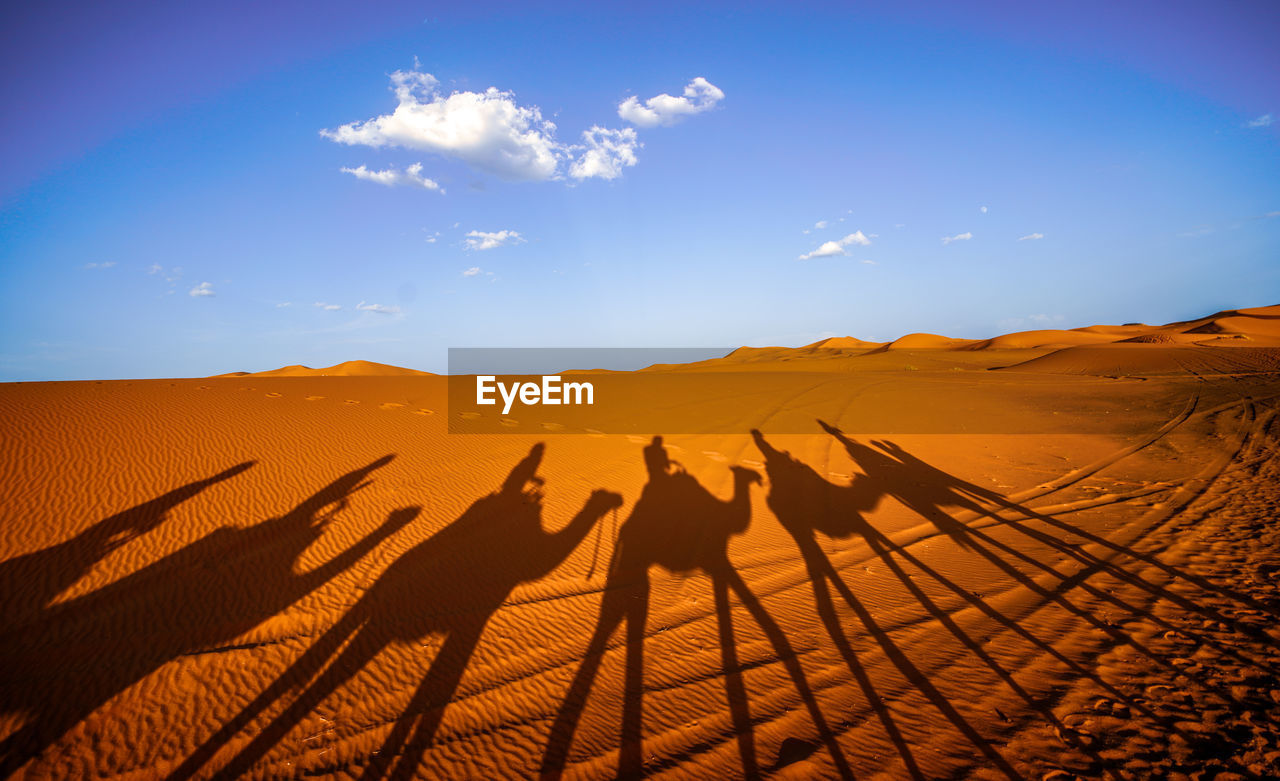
(169, 204)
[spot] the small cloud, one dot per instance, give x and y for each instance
(1031, 237)
(155, 268)
(982, 209)
(433, 238)
(474, 271)
(1203, 230)
(899, 225)
(830, 248)
(606, 153)
(480, 240)
(379, 308)
(393, 178)
(328, 307)
(201, 290)
(869, 262)
(284, 304)
(1045, 319)
(820, 224)
(1272, 214)
(699, 95)
(1263, 121)
(107, 264)
(958, 237)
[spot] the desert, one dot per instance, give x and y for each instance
(301, 572)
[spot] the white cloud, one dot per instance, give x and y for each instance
(820, 224)
(474, 271)
(486, 130)
(391, 177)
(606, 153)
(699, 95)
(1031, 237)
(155, 268)
(433, 238)
(958, 237)
(481, 240)
(328, 307)
(201, 290)
(284, 304)
(379, 308)
(1263, 121)
(869, 262)
(982, 209)
(829, 248)
(107, 264)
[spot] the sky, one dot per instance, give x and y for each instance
(197, 188)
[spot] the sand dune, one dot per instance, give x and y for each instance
(278, 576)
(345, 369)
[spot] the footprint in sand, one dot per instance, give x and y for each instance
(423, 411)
(637, 439)
(509, 422)
(552, 426)
(751, 462)
(314, 398)
(469, 415)
(389, 405)
(198, 387)
(351, 401)
(594, 433)
(718, 457)
(273, 395)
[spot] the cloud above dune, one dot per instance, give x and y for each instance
(1031, 237)
(106, 264)
(489, 131)
(328, 307)
(481, 240)
(838, 247)
(699, 95)
(390, 177)
(474, 271)
(958, 237)
(201, 290)
(1266, 120)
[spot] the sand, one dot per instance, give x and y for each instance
(303, 573)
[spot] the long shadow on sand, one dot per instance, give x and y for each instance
(450, 584)
(70, 658)
(30, 582)
(807, 504)
(680, 526)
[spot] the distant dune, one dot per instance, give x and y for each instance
(345, 369)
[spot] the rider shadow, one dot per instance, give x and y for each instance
(78, 654)
(679, 525)
(926, 489)
(806, 505)
(450, 584)
(30, 582)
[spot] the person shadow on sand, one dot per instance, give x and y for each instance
(808, 505)
(450, 584)
(65, 663)
(679, 525)
(29, 583)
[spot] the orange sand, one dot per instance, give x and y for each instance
(300, 572)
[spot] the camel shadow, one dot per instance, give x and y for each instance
(70, 659)
(808, 505)
(451, 584)
(30, 582)
(678, 525)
